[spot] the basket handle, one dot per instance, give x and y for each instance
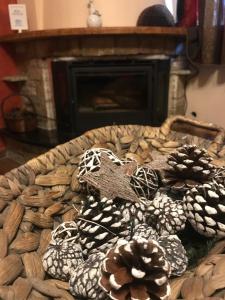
(209, 128)
(5, 99)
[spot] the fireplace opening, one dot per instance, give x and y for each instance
(99, 92)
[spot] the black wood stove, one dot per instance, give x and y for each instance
(97, 92)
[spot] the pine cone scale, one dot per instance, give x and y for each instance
(120, 278)
(104, 283)
(120, 294)
(109, 266)
(139, 292)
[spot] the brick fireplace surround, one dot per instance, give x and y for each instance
(34, 51)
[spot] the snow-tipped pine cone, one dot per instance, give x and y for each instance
(133, 213)
(145, 231)
(84, 279)
(59, 259)
(136, 270)
(64, 252)
(166, 215)
(205, 209)
(100, 224)
(188, 166)
(174, 253)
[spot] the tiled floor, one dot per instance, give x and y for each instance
(7, 164)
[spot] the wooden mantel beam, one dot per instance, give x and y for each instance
(79, 32)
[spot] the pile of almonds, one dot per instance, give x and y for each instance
(38, 196)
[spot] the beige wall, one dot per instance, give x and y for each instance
(48, 14)
(34, 13)
(206, 95)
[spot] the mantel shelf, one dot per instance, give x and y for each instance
(70, 32)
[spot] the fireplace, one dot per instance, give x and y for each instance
(95, 92)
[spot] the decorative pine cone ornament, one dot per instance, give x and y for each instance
(188, 166)
(91, 161)
(144, 182)
(205, 209)
(166, 215)
(64, 253)
(174, 253)
(136, 270)
(65, 231)
(84, 279)
(99, 222)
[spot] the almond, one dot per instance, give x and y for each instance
(44, 241)
(26, 242)
(10, 267)
(22, 288)
(13, 219)
(50, 180)
(38, 219)
(3, 244)
(33, 265)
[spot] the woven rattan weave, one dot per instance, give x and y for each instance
(39, 195)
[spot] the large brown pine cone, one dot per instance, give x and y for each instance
(136, 270)
(188, 166)
(205, 209)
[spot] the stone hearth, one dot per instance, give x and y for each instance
(33, 56)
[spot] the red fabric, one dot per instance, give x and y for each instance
(190, 13)
(8, 66)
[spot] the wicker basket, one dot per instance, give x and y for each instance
(19, 120)
(28, 212)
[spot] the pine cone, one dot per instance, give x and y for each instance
(63, 252)
(59, 259)
(99, 222)
(144, 231)
(132, 213)
(174, 253)
(84, 279)
(205, 209)
(188, 167)
(219, 175)
(166, 215)
(136, 270)
(144, 182)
